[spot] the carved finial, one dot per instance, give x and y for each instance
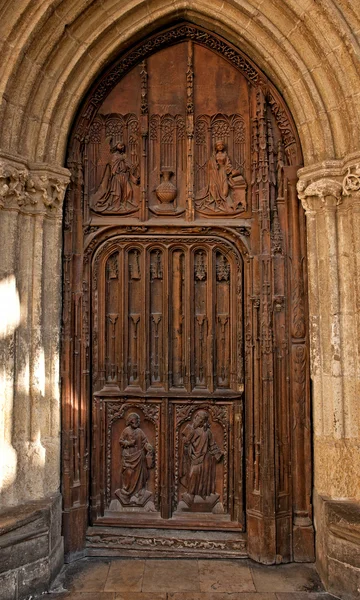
(144, 88)
(190, 81)
(200, 266)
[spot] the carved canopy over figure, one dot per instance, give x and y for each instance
(115, 193)
(221, 179)
(199, 457)
(137, 458)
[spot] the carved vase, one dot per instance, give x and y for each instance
(166, 191)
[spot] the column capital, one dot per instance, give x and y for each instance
(329, 184)
(32, 188)
(322, 193)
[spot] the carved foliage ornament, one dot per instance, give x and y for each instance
(33, 192)
(193, 34)
(175, 35)
(351, 181)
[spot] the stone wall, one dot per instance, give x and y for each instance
(31, 197)
(330, 194)
(31, 545)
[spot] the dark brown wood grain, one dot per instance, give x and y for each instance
(185, 334)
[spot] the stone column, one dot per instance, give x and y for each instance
(330, 194)
(31, 198)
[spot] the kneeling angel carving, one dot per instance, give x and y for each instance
(115, 193)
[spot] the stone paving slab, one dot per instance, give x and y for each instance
(183, 579)
(225, 576)
(222, 596)
(304, 596)
(294, 577)
(180, 575)
(125, 575)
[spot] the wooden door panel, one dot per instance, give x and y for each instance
(185, 325)
(167, 315)
(202, 486)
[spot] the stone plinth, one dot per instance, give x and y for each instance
(31, 547)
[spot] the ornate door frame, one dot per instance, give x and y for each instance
(272, 242)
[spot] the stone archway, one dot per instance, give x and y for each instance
(309, 51)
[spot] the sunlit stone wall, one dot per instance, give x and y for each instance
(30, 304)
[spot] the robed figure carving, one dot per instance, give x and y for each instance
(200, 453)
(115, 193)
(137, 456)
(225, 189)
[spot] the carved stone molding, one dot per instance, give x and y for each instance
(32, 188)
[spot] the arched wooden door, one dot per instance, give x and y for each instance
(185, 360)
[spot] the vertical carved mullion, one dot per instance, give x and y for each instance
(142, 324)
(211, 327)
(301, 441)
(191, 319)
(188, 319)
(165, 358)
(264, 421)
(190, 132)
(75, 420)
(127, 356)
(144, 128)
(95, 503)
(122, 318)
(86, 205)
(236, 325)
(166, 471)
(238, 444)
(279, 218)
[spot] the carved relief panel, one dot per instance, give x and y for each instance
(132, 456)
(182, 151)
(197, 437)
(114, 164)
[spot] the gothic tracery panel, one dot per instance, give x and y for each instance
(184, 336)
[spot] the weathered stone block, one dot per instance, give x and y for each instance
(8, 586)
(344, 580)
(20, 552)
(34, 577)
(56, 560)
(31, 548)
(338, 546)
(55, 522)
(24, 535)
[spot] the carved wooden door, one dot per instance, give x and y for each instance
(168, 367)
(185, 333)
